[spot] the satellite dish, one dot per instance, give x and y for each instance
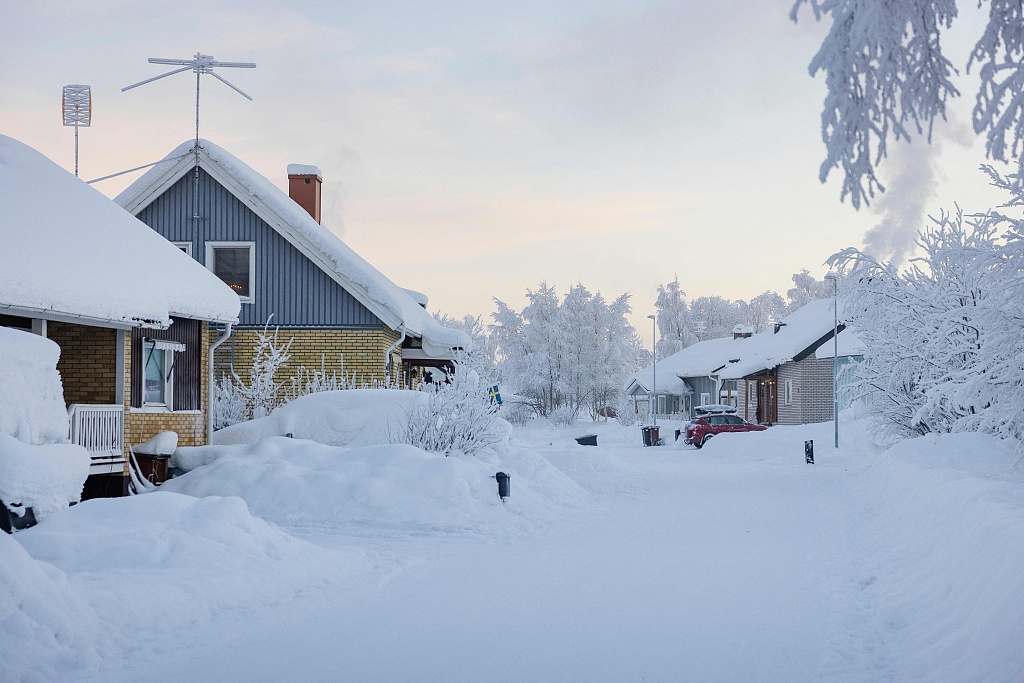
(200, 64)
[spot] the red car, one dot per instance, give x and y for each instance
(703, 427)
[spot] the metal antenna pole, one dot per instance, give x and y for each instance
(76, 151)
(195, 184)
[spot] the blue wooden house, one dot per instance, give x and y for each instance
(341, 313)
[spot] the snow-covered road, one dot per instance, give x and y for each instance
(702, 572)
(734, 563)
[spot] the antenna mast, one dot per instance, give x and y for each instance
(200, 64)
(76, 103)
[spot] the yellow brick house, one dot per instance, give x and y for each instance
(130, 313)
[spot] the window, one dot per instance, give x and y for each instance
(661, 405)
(234, 263)
(184, 246)
(705, 399)
(787, 392)
(158, 372)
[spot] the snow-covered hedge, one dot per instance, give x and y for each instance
(354, 417)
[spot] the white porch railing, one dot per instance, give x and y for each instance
(100, 430)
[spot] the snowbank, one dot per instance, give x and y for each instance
(939, 578)
(303, 484)
(46, 478)
(31, 396)
(354, 417)
(46, 627)
(137, 574)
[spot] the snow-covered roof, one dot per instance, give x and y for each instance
(699, 360)
(667, 383)
(370, 287)
(70, 251)
(800, 330)
(849, 345)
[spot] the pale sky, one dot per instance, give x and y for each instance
(472, 149)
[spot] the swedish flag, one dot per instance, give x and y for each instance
(494, 395)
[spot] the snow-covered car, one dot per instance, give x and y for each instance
(714, 409)
(703, 427)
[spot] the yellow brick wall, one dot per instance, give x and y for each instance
(88, 362)
(190, 426)
(349, 351)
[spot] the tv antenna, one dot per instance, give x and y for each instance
(76, 104)
(200, 64)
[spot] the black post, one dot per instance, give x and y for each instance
(503, 485)
(809, 452)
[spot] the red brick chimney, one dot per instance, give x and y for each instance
(304, 187)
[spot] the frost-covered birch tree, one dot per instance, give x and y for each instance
(571, 355)
(889, 79)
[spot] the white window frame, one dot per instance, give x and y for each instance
(251, 246)
(168, 349)
(705, 399)
(787, 392)
(661, 404)
(184, 246)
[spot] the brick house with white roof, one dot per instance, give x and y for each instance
(130, 313)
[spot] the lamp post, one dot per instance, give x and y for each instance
(654, 354)
(835, 353)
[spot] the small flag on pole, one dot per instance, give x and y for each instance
(494, 395)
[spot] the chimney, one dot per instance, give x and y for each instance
(304, 188)
(742, 332)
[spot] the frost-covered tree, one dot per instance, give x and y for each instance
(763, 309)
(888, 79)
(572, 354)
(714, 317)
(944, 336)
(675, 325)
(806, 288)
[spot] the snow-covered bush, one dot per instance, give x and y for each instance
(263, 390)
(563, 416)
(626, 416)
(229, 405)
(457, 416)
(517, 413)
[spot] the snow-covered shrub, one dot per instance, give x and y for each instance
(229, 405)
(457, 416)
(563, 416)
(306, 381)
(517, 413)
(626, 416)
(262, 392)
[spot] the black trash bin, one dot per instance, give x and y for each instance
(588, 440)
(651, 437)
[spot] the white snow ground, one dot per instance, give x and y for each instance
(737, 562)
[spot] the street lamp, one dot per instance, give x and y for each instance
(835, 353)
(654, 354)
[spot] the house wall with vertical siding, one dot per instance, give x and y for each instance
(287, 284)
(190, 425)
